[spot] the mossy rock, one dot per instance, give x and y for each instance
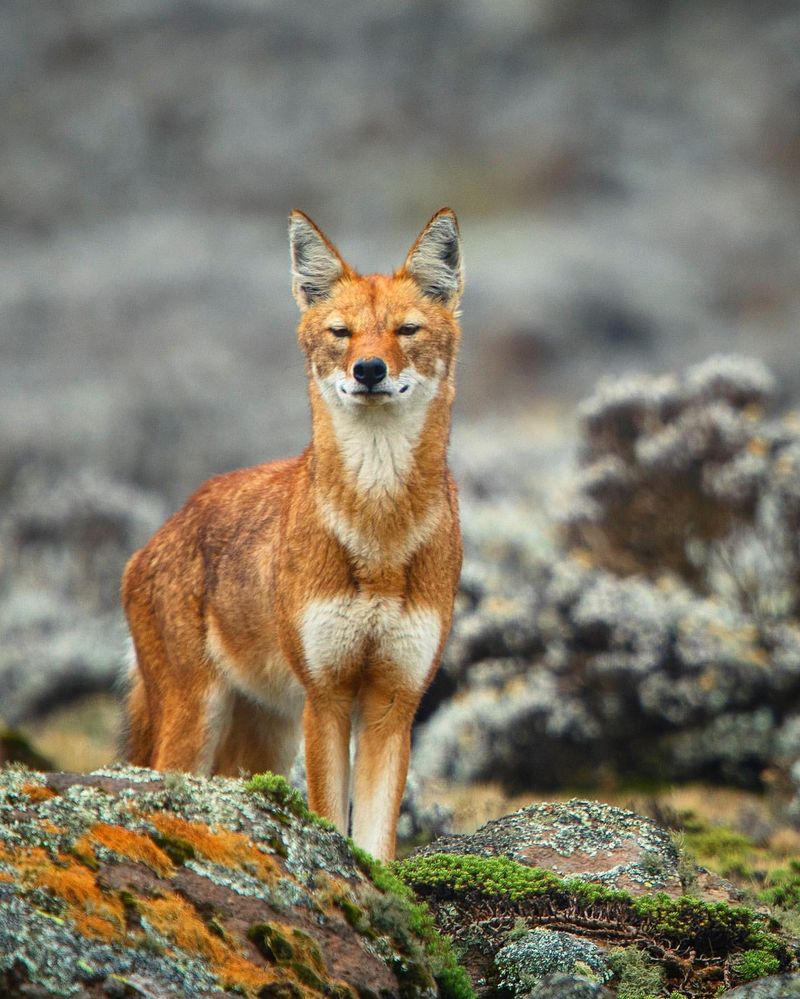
(591, 840)
(485, 895)
(187, 886)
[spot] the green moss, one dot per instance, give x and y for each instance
(708, 927)
(280, 990)
(405, 918)
(491, 876)
(129, 902)
(519, 930)
(307, 976)
(276, 844)
(177, 849)
(271, 942)
(654, 865)
(282, 793)
(723, 850)
(498, 877)
(639, 977)
(582, 969)
(340, 990)
(216, 927)
(354, 914)
(86, 858)
(752, 964)
(310, 947)
(783, 887)
(687, 864)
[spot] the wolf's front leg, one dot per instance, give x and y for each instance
(381, 765)
(326, 723)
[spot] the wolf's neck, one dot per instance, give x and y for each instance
(377, 447)
(383, 467)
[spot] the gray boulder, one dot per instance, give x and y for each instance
(523, 963)
(774, 987)
(595, 893)
(567, 987)
(127, 882)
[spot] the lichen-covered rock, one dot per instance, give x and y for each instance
(619, 886)
(567, 987)
(668, 461)
(129, 882)
(522, 963)
(631, 677)
(592, 841)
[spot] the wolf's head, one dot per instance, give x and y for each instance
(379, 340)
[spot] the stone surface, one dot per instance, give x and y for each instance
(619, 887)
(774, 987)
(127, 879)
(567, 987)
(590, 840)
(524, 962)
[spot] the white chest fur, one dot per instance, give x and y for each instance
(336, 634)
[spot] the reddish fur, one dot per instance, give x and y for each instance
(248, 551)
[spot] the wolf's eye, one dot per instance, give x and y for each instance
(339, 331)
(407, 329)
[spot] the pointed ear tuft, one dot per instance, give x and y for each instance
(316, 264)
(435, 261)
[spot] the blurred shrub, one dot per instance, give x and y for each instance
(686, 475)
(659, 637)
(63, 543)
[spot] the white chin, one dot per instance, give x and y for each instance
(365, 399)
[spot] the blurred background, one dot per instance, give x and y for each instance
(627, 177)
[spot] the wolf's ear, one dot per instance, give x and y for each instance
(316, 264)
(434, 261)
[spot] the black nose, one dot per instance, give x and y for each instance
(369, 371)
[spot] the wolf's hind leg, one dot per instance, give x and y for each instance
(138, 734)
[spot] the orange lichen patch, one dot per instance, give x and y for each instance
(5, 876)
(178, 921)
(51, 827)
(94, 913)
(224, 847)
(37, 792)
(127, 843)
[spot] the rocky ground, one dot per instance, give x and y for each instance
(622, 906)
(125, 882)
(128, 883)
